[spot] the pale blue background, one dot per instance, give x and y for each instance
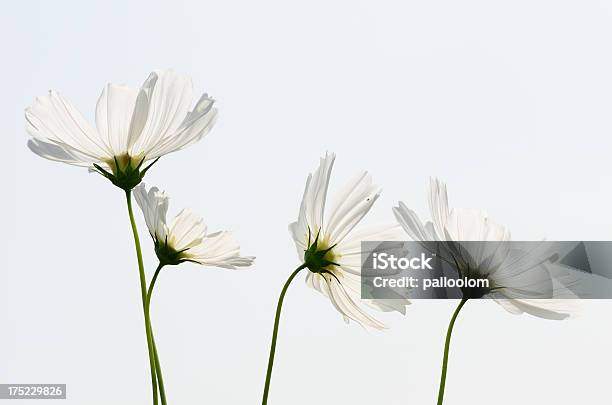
(509, 102)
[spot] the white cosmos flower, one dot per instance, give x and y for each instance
(133, 125)
(187, 237)
(520, 281)
(335, 272)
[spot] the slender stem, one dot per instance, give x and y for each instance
(160, 378)
(143, 292)
(275, 333)
(446, 347)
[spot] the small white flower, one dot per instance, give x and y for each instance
(133, 126)
(329, 248)
(186, 238)
(519, 280)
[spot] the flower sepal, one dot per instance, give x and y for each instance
(167, 255)
(318, 258)
(126, 172)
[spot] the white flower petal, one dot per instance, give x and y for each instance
(52, 119)
(347, 306)
(341, 300)
(351, 281)
(195, 126)
(54, 152)
(349, 251)
(220, 249)
(186, 231)
(168, 104)
(438, 205)
(467, 224)
(411, 223)
(316, 196)
(114, 116)
(141, 113)
(317, 282)
(310, 218)
(547, 309)
(353, 203)
(154, 206)
(297, 233)
(389, 305)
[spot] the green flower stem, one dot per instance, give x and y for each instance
(160, 378)
(275, 333)
(143, 291)
(446, 347)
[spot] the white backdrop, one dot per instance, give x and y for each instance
(509, 102)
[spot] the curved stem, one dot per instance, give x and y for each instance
(160, 378)
(143, 292)
(275, 333)
(446, 347)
